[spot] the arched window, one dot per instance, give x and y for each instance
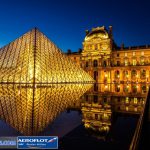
(126, 100)
(126, 88)
(125, 74)
(126, 61)
(134, 88)
(134, 61)
(143, 88)
(96, 46)
(95, 63)
(133, 73)
(117, 74)
(143, 73)
(105, 99)
(95, 75)
(104, 63)
(142, 60)
(117, 88)
(95, 99)
(95, 87)
(86, 64)
(118, 63)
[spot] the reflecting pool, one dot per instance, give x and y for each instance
(82, 115)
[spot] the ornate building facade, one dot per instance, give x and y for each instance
(122, 77)
(124, 67)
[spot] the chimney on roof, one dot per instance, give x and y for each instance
(69, 51)
(79, 50)
(122, 46)
(110, 31)
(86, 32)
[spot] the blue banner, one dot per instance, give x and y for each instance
(37, 142)
(8, 142)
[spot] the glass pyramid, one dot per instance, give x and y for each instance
(33, 58)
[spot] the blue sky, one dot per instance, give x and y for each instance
(65, 21)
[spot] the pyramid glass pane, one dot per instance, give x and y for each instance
(33, 58)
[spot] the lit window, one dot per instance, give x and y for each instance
(117, 74)
(134, 62)
(144, 89)
(143, 73)
(142, 61)
(135, 100)
(127, 99)
(126, 88)
(126, 62)
(143, 101)
(135, 109)
(106, 116)
(126, 74)
(117, 88)
(93, 47)
(127, 108)
(96, 47)
(133, 53)
(106, 75)
(125, 54)
(134, 88)
(142, 53)
(90, 46)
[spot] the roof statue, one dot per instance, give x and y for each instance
(97, 33)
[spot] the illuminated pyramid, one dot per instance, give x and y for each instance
(33, 58)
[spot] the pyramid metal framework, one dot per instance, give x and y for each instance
(33, 58)
(28, 116)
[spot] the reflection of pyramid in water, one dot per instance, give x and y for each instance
(18, 109)
(33, 58)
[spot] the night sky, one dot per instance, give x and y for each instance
(65, 21)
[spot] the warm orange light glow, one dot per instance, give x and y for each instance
(34, 108)
(36, 59)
